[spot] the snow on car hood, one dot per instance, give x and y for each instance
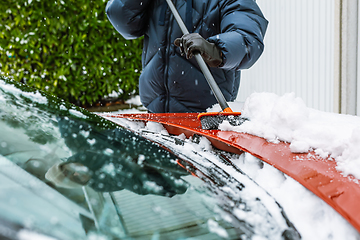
(287, 118)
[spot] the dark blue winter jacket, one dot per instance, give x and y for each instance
(171, 83)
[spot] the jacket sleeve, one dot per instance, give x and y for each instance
(129, 17)
(243, 27)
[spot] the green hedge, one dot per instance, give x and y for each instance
(67, 48)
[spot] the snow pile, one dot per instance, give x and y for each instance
(312, 217)
(286, 118)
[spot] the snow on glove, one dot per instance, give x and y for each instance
(194, 43)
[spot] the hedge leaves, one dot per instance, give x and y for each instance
(67, 48)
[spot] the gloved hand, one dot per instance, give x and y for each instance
(194, 43)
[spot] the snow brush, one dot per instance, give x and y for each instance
(210, 120)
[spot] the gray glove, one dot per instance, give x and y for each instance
(194, 43)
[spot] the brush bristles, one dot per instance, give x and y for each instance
(212, 122)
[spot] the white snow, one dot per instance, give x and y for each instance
(216, 228)
(287, 118)
(36, 97)
(135, 100)
(156, 127)
(312, 217)
(77, 113)
(29, 235)
(109, 169)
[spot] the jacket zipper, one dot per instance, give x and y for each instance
(167, 56)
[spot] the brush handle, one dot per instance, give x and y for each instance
(204, 68)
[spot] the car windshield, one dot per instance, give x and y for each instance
(67, 174)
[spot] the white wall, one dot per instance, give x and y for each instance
(348, 52)
(358, 65)
(299, 53)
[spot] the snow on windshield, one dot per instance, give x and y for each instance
(34, 96)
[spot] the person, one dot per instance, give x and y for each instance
(229, 35)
